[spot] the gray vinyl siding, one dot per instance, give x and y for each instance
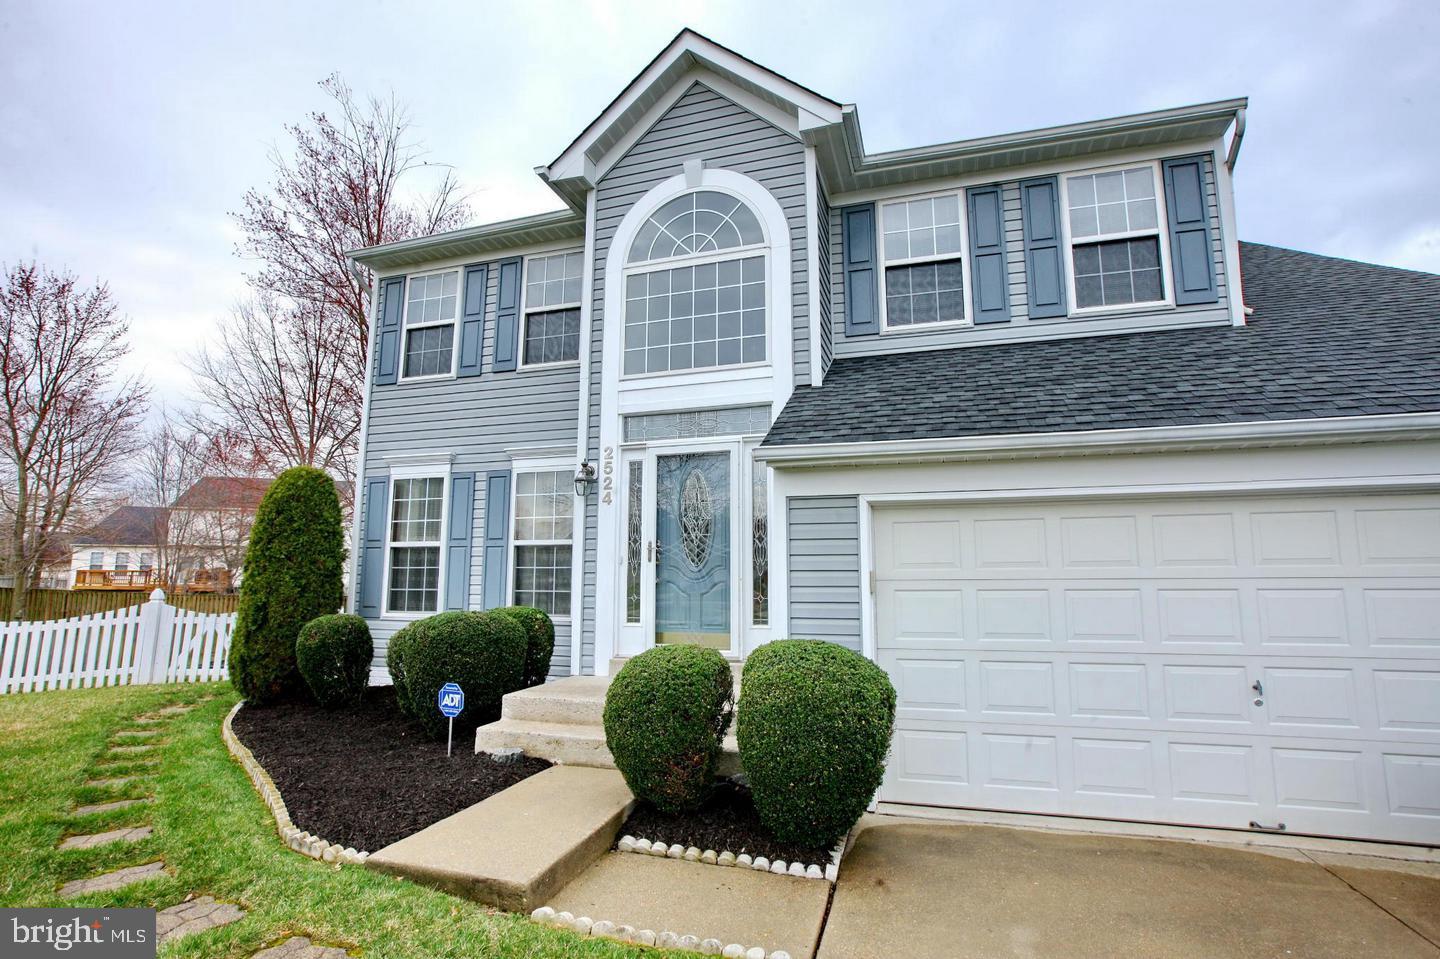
(706, 125)
(477, 419)
(824, 558)
(823, 289)
(1021, 327)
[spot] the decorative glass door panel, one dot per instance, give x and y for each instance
(692, 549)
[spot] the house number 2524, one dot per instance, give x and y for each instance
(607, 476)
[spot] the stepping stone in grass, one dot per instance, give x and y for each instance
(137, 733)
(173, 710)
(110, 783)
(113, 880)
(300, 948)
(195, 915)
(107, 806)
(131, 750)
(101, 838)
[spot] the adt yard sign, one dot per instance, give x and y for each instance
(451, 700)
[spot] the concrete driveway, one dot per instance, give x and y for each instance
(984, 892)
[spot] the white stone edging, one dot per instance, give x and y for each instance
(302, 842)
(646, 847)
(585, 926)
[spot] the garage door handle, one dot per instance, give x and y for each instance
(1259, 690)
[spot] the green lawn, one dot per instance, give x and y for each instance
(217, 838)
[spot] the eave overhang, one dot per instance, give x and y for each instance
(473, 241)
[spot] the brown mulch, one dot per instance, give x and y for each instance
(727, 821)
(368, 776)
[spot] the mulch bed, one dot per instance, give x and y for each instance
(727, 821)
(367, 776)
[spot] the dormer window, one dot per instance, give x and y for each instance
(1116, 246)
(695, 287)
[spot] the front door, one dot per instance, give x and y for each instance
(692, 548)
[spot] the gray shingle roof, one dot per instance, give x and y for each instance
(1328, 337)
(127, 526)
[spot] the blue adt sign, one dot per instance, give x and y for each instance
(451, 700)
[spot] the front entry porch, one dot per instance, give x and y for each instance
(563, 721)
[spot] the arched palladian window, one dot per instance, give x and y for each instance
(695, 286)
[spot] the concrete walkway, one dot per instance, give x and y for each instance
(984, 892)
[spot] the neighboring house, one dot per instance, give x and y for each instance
(1130, 541)
(196, 544)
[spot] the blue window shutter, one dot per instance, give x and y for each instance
(1190, 250)
(457, 541)
(387, 337)
(372, 547)
(1044, 256)
(472, 321)
(989, 282)
(497, 537)
(862, 279)
(507, 316)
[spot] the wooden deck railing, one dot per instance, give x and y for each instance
(116, 579)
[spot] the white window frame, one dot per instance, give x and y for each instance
(417, 471)
(964, 255)
(147, 561)
(551, 465)
(92, 563)
(122, 553)
(526, 311)
(761, 249)
(454, 321)
(1161, 230)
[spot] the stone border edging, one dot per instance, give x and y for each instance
(648, 937)
(298, 840)
(645, 847)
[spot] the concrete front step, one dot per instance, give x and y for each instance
(522, 845)
(571, 744)
(575, 699)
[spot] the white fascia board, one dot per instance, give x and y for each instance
(1340, 429)
(570, 163)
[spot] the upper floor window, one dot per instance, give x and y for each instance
(923, 251)
(430, 305)
(122, 562)
(552, 309)
(147, 562)
(97, 560)
(1115, 238)
(708, 309)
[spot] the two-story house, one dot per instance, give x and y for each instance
(1142, 521)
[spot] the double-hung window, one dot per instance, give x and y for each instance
(552, 309)
(430, 304)
(542, 536)
(1116, 246)
(922, 247)
(147, 562)
(695, 287)
(417, 510)
(97, 560)
(122, 562)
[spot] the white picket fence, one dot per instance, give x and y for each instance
(150, 643)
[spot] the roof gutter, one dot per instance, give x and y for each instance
(1235, 140)
(1331, 430)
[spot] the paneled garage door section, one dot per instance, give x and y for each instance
(1223, 662)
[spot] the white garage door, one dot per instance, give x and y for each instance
(1216, 662)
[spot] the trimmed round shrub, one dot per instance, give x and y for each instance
(540, 642)
(333, 654)
(813, 726)
(293, 573)
(482, 653)
(665, 718)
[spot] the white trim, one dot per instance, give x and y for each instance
(812, 263)
(415, 464)
(582, 439)
(357, 491)
(1024, 171)
(503, 253)
(1294, 432)
(1161, 232)
(424, 467)
(406, 326)
(963, 254)
(526, 310)
(770, 384)
(572, 162)
(551, 462)
(1229, 235)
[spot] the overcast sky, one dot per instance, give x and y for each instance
(129, 130)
